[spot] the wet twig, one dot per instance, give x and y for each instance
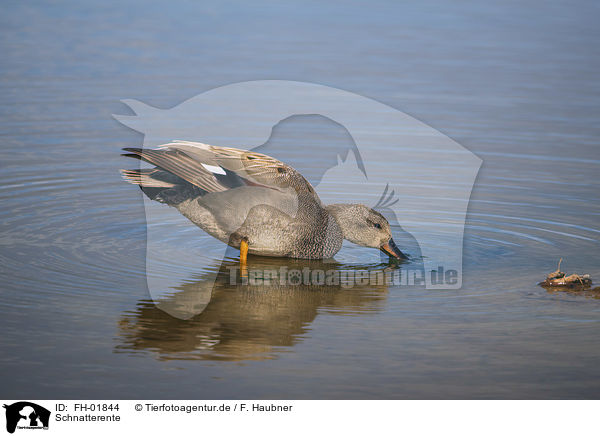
(559, 279)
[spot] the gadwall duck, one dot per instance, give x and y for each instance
(254, 202)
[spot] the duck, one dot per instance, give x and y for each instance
(254, 202)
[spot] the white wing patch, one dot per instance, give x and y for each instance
(214, 169)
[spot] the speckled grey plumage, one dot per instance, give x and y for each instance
(235, 194)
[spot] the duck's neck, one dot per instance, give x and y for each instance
(345, 216)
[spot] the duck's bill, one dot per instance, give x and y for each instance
(392, 250)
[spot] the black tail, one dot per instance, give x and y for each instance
(158, 184)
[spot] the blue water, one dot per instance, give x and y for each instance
(515, 83)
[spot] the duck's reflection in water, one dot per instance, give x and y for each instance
(248, 321)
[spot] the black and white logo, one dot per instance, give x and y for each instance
(26, 415)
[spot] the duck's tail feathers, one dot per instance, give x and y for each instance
(162, 186)
(149, 178)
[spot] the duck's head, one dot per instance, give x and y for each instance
(364, 226)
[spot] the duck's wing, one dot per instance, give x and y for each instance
(216, 169)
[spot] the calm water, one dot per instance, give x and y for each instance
(514, 83)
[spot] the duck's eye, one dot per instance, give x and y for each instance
(377, 225)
